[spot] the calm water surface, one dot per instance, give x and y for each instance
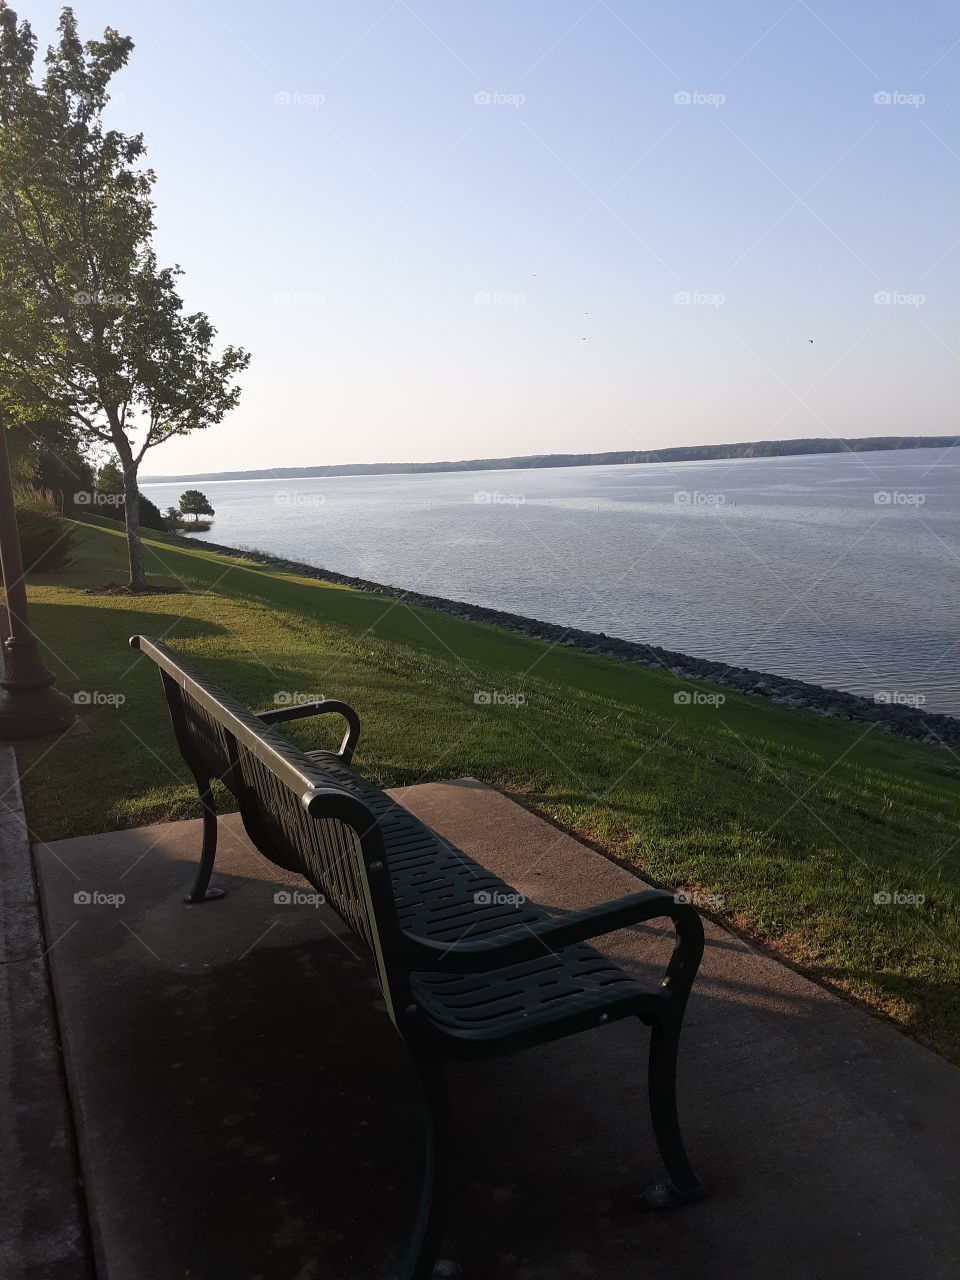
(839, 569)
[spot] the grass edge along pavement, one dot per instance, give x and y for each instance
(829, 843)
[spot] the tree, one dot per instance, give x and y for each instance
(110, 478)
(93, 329)
(194, 503)
(47, 459)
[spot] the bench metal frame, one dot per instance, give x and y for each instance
(300, 812)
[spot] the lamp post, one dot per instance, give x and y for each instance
(30, 707)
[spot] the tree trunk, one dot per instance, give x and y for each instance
(131, 513)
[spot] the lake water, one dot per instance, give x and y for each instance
(840, 569)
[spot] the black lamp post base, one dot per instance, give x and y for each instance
(27, 713)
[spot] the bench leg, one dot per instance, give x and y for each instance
(200, 891)
(420, 1262)
(682, 1185)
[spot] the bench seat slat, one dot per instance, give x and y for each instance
(435, 899)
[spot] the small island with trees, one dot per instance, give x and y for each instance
(193, 504)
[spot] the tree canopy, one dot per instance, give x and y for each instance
(94, 331)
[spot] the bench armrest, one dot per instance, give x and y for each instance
(529, 941)
(328, 705)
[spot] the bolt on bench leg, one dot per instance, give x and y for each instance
(200, 891)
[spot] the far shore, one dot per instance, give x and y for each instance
(751, 449)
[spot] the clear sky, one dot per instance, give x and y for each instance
(459, 228)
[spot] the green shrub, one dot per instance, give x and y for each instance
(150, 517)
(45, 539)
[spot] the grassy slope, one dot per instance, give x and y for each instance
(796, 820)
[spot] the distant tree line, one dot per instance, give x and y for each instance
(681, 453)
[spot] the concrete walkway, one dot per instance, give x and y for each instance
(42, 1226)
(246, 1112)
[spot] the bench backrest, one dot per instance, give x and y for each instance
(295, 814)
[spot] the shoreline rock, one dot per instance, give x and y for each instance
(931, 727)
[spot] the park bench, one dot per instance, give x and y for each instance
(467, 968)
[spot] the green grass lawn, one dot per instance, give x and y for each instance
(798, 822)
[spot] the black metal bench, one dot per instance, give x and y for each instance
(466, 971)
